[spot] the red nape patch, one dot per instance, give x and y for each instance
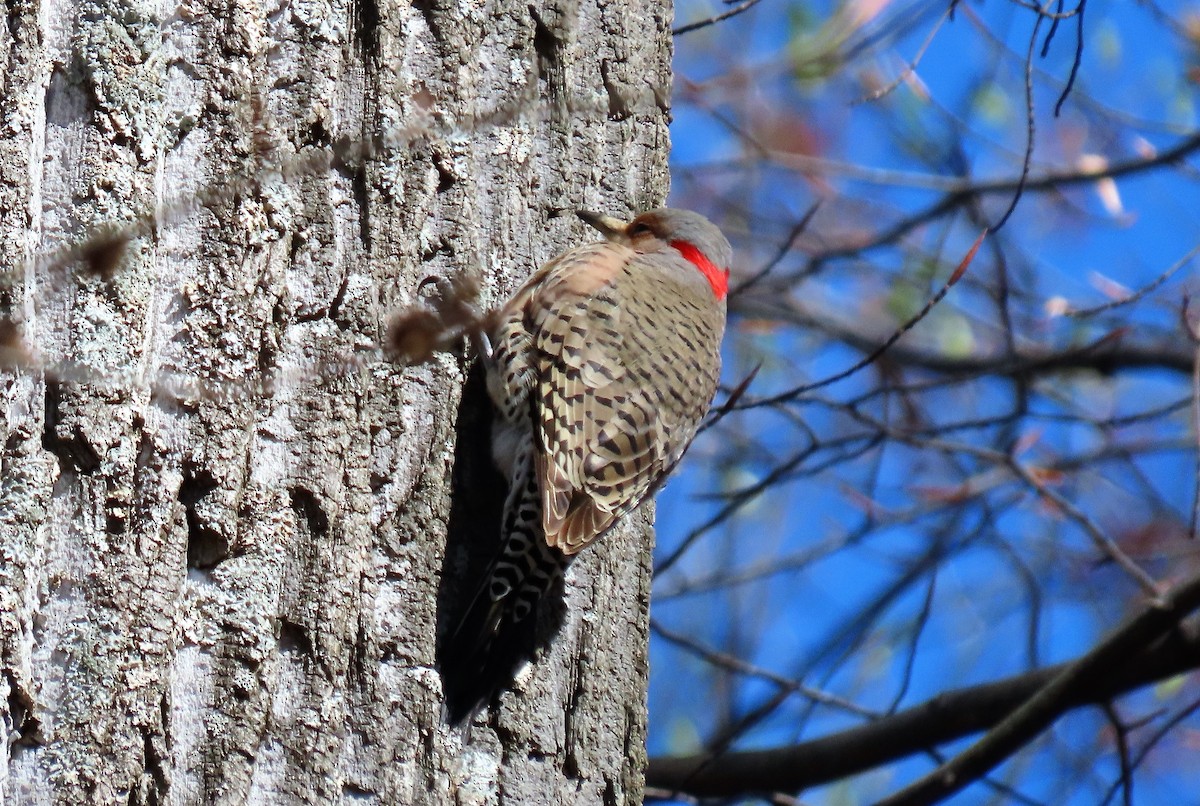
(717, 278)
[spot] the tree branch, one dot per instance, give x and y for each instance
(947, 717)
(1112, 353)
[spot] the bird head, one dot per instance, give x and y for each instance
(689, 233)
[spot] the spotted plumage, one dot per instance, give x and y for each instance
(600, 369)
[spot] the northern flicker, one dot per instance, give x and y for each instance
(600, 369)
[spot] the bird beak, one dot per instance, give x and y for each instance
(607, 224)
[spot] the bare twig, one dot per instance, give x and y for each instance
(1150, 743)
(745, 5)
(1027, 159)
(874, 355)
(911, 66)
(1078, 60)
(799, 227)
(1079, 313)
(1102, 541)
(1193, 331)
(736, 664)
(1121, 736)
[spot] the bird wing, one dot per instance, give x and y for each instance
(626, 364)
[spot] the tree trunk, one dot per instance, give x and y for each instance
(223, 538)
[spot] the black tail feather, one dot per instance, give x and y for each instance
(502, 626)
(484, 639)
(483, 654)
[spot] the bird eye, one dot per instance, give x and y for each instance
(639, 228)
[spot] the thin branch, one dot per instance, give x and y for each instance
(911, 66)
(733, 663)
(745, 5)
(1158, 736)
(879, 350)
(1102, 541)
(1062, 99)
(1027, 158)
(1140, 293)
(1113, 352)
(1057, 18)
(1193, 332)
(795, 233)
(1121, 736)
(1050, 180)
(922, 621)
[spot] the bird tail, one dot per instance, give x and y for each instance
(500, 627)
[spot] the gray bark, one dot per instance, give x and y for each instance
(219, 557)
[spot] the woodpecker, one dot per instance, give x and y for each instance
(600, 369)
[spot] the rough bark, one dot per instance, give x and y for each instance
(221, 559)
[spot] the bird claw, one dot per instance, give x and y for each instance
(483, 345)
(443, 289)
